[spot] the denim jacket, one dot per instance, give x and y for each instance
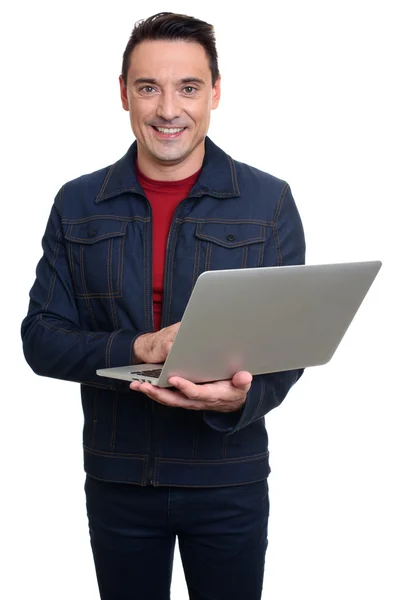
(92, 298)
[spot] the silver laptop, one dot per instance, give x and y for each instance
(261, 320)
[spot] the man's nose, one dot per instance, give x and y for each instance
(168, 106)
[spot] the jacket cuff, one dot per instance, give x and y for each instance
(233, 421)
(119, 353)
(119, 349)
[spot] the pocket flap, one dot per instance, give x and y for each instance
(231, 235)
(95, 230)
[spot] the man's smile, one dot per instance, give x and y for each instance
(168, 132)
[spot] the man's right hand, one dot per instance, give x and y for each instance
(154, 347)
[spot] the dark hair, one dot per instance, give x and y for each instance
(171, 26)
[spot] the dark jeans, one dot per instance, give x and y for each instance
(222, 534)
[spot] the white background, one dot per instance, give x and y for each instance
(309, 94)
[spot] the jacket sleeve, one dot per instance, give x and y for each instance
(268, 391)
(54, 343)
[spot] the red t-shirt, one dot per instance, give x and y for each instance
(164, 197)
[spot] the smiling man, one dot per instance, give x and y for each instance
(169, 93)
(122, 251)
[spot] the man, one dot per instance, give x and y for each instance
(122, 251)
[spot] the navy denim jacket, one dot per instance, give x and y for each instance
(93, 296)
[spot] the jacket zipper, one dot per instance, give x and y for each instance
(163, 315)
(152, 454)
(164, 310)
(150, 284)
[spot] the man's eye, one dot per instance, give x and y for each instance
(146, 88)
(190, 89)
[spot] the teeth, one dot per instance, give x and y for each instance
(169, 129)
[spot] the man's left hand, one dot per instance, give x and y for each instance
(221, 396)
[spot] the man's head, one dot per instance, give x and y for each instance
(170, 79)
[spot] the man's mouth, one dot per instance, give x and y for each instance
(168, 132)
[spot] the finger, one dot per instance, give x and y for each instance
(182, 402)
(144, 388)
(162, 395)
(208, 393)
(178, 400)
(242, 379)
(189, 389)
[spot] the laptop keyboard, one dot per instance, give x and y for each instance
(153, 373)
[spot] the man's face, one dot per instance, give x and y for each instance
(169, 85)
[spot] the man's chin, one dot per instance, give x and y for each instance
(171, 157)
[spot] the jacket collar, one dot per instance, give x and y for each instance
(217, 177)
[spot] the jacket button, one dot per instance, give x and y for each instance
(230, 237)
(92, 233)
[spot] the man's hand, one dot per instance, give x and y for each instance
(222, 396)
(154, 347)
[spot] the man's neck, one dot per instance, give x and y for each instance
(164, 171)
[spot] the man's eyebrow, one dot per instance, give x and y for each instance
(144, 80)
(193, 80)
(139, 80)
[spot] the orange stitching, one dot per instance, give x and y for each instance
(53, 279)
(226, 221)
(147, 320)
(114, 429)
(262, 394)
(142, 457)
(87, 301)
(94, 422)
(171, 271)
(220, 242)
(121, 262)
(89, 242)
(280, 202)
(213, 462)
(196, 252)
(244, 256)
(109, 277)
(208, 257)
(66, 221)
(100, 295)
(234, 175)
(214, 486)
(41, 321)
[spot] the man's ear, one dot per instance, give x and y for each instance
(216, 93)
(124, 95)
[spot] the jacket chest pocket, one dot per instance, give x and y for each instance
(229, 246)
(96, 256)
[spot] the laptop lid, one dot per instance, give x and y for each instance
(266, 319)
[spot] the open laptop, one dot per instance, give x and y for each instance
(261, 320)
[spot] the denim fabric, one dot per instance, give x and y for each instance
(93, 296)
(222, 534)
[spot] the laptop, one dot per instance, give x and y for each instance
(261, 320)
